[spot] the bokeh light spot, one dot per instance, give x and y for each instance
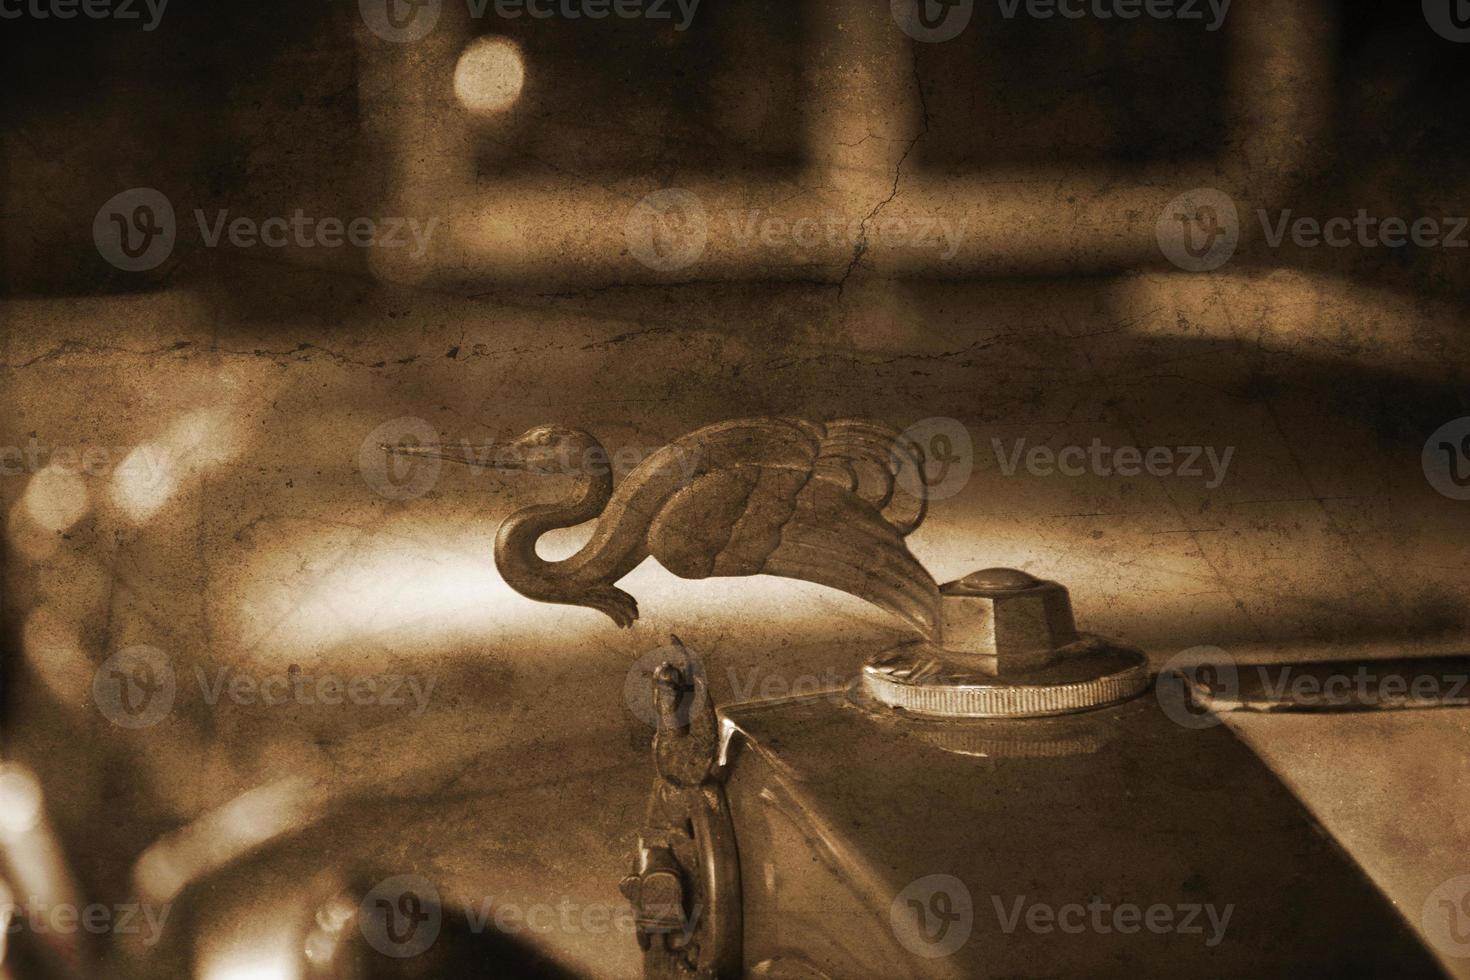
(56, 498)
(489, 75)
(20, 800)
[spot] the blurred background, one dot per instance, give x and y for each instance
(611, 215)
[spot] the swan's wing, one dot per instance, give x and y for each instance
(879, 464)
(782, 442)
(869, 458)
(753, 441)
(788, 521)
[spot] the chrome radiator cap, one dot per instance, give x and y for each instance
(1011, 649)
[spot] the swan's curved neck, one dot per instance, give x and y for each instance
(515, 544)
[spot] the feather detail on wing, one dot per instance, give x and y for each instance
(838, 540)
(792, 522)
(878, 463)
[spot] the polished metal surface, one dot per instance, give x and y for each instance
(1011, 650)
(829, 503)
(1126, 807)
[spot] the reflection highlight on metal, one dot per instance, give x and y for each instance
(983, 743)
(914, 678)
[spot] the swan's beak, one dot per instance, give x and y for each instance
(455, 454)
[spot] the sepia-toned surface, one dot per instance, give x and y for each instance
(191, 458)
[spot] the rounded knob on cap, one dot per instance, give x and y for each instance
(992, 580)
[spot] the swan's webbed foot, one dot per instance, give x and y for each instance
(616, 604)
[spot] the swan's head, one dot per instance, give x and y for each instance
(552, 450)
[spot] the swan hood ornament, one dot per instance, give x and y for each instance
(827, 503)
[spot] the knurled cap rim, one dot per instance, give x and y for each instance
(1123, 673)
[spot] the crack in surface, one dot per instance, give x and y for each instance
(860, 249)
